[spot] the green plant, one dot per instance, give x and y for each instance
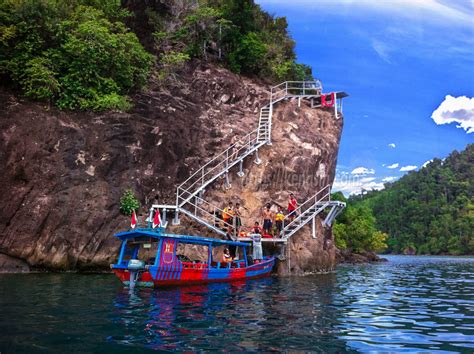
(77, 56)
(249, 54)
(128, 202)
(39, 79)
(170, 62)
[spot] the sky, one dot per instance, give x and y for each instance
(408, 67)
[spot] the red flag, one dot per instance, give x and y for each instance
(134, 220)
(157, 219)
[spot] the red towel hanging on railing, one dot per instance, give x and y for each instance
(325, 102)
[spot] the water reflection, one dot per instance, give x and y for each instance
(407, 306)
(413, 304)
(261, 315)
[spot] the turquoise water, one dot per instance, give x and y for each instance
(411, 304)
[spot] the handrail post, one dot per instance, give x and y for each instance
(227, 160)
(286, 88)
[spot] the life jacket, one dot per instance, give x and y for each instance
(227, 213)
(279, 216)
(325, 102)
(226, 258)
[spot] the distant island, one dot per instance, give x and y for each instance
(430, 211)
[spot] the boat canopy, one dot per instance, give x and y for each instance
(157, 234)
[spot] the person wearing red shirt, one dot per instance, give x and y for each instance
(292, 206)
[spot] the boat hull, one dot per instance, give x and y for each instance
(156, 276)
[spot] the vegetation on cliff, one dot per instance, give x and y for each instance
(81, 54)
(430, 211)
(70, 54)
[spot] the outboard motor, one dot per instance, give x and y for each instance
(134, 267)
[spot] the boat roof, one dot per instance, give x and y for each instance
(157, 233)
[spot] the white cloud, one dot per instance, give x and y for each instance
(363, 171)
(408, 168)
(392, 145)
(426, 163)
(456, 110)
(355, 186)
(367, 179)
(394, 165)
(382, 49)
(373, 186)
(389, 179)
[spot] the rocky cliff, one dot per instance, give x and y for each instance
(63, 173)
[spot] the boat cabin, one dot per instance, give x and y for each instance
(156, 248)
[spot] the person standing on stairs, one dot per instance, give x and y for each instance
(238, 219)
(279, 216)
(228, 215)
(267, 220)
(292, 206)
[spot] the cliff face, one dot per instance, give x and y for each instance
(63, 173)
(301, 160)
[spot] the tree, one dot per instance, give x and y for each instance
(431, 210)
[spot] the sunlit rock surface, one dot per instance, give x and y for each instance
(63, 173)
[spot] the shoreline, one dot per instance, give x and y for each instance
(349, 259)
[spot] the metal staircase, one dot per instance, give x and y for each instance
(189, 194)
(308, 210)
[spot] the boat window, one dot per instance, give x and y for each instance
(147, 252)
(192, 254)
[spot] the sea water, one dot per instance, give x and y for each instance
(410, 304)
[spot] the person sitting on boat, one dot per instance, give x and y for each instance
(257, 229)
(226, 257)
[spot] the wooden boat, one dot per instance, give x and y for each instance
(151, 258)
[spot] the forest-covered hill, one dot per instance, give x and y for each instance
(91, 54)
(430, 211)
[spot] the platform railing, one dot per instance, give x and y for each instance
(295, 88)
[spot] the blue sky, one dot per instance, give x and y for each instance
(398, 60)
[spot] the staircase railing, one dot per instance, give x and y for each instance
(189, 193)
(203, 211)
(305, 211)
(216, 167)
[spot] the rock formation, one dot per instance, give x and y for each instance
(301, 160)
(63, 173)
